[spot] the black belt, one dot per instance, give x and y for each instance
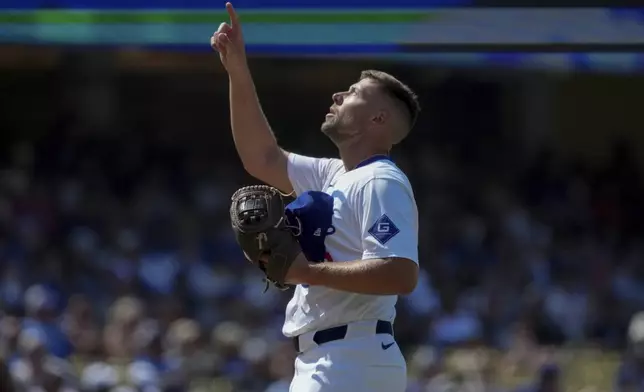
(339, 333)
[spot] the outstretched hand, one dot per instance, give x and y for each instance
(229, 41)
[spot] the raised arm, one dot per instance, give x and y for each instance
(254, 140)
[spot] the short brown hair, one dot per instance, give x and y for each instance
(397, 90)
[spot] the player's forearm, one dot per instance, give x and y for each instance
(375, 276)
(252, 134)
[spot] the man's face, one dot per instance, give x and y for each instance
(352, 111)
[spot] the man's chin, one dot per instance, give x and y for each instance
(333, 134)
(326, 128)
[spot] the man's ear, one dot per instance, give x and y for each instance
(381, 117)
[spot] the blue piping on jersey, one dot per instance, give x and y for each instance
(375, 158)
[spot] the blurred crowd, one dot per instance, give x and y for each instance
(118, 269)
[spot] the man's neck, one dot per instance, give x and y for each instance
(353, 155)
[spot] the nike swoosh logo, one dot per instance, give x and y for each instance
(386, 346)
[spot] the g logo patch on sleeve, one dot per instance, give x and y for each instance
(383, 230)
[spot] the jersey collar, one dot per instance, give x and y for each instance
(372, 159)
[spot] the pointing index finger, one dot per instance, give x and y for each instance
(234, 20)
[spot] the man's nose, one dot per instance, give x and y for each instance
(337, 98)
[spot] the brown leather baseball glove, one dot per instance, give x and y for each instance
(259, 223)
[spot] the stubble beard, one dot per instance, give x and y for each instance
(331, 128)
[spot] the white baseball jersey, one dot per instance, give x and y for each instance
(373, 214)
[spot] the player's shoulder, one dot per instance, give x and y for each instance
(384, 171)
(330, 170)
(330, 167)
(312, 172)
(334, 166)
(324, 165)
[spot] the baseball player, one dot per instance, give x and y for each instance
(358, 225)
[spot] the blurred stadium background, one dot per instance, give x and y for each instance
(117, 266)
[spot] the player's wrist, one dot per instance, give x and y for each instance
(300, 270)
(313, 275)
(239, 74)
